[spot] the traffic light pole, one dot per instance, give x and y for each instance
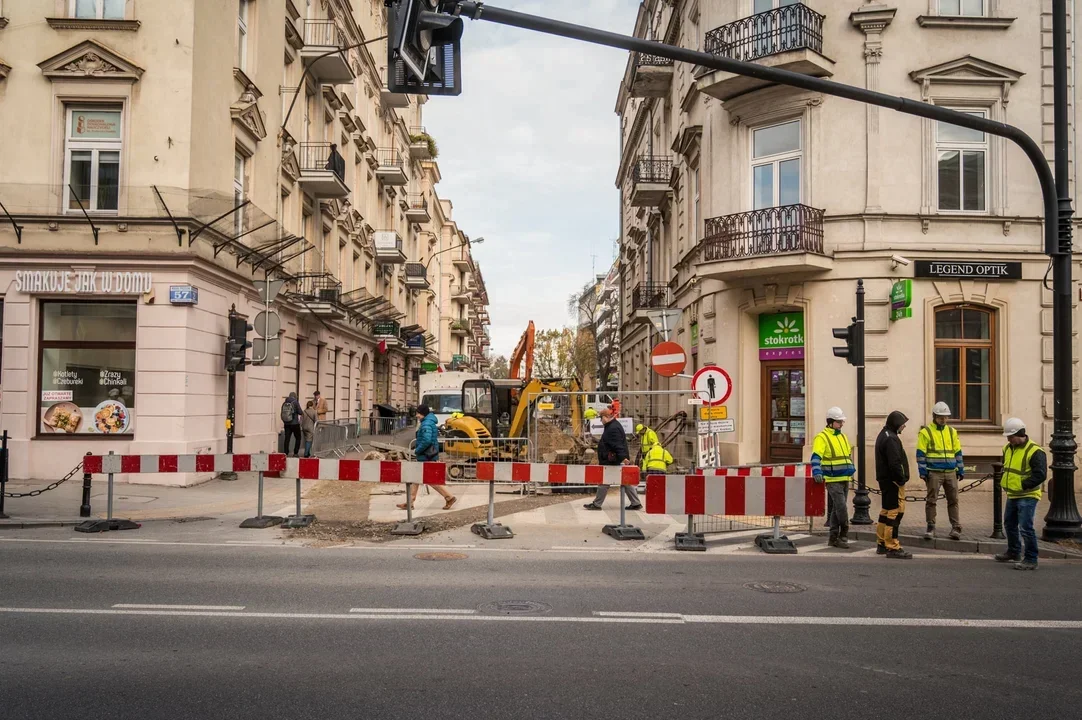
(231, 411)
(861, 501)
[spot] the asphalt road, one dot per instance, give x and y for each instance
(99, 629)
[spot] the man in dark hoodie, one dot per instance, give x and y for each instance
(892, 473)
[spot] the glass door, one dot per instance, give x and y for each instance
(784, 428)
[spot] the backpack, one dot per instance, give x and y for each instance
(289, 412)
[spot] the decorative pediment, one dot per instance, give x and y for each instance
(688, 141)
(90, 59)
(966, 70)
(291, 167)
(246, 114)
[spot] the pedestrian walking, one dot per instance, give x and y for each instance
(427, 449)
(321, 406)
(892, 473)
(939, 464)
(832, 463)
(291, 422)
(1025, 468)
(308, 427)
(612, 450)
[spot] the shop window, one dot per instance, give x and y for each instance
(87, 368)
(962, 161)
(92, 149)
(965, 361)
(775, 170)
(98, 9)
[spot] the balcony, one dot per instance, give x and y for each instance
(319, 296)
(459, 294)
(416, 276)
(388, 247)
(322, 37)
(387, 331)
(391, 99)
(460, 258)
(460, 362)
(652, 76)
(770, 241)
(460, 327)
(323, 171)
(422, 146)
(417, 209)
(650, 176)
(648, 296)
(390, 167)
(788, 37)
(415, 345)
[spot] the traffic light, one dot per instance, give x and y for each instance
(853, 352)
(423, 47)
(237, 344)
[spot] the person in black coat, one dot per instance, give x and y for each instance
(612, 450)
(892, 473)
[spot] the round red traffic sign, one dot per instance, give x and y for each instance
(712, 385)
(668, 359)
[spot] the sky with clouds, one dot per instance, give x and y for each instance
(528, 155)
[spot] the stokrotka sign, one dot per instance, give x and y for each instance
(781, 336)
(83, 282)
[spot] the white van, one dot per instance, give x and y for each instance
(442, 392)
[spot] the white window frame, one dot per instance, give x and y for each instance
(99, 11)
(961, 147)
(986, 9)
(774, 5)
(243, 16)
(95, 147)
(776, 161)
(240, 189)
(696, 201)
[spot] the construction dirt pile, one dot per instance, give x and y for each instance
(552, 440)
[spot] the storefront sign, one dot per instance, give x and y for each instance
(71, 282)
(183, 295)
(781, 336)
(901, 297)
(95, 125)
(966, 269)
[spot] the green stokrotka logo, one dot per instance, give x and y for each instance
(781, 330)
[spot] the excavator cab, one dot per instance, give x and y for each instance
(491, 403)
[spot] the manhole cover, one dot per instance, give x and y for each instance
(441, 556)
(774, 586)
(516, 607)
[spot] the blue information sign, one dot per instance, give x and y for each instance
(183, 295)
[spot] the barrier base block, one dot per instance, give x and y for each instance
(259, 523)
(409, 528)
(298, 521)
(695, 542)
(495, 531)
(776, 545)
(623, 532)
(97, 526)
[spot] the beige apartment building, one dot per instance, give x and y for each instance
(162, 157)
(754, 209)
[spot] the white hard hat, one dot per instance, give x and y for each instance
(941, 409)
(1012, 427)
(835, 413)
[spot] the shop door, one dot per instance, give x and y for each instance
(784, 428)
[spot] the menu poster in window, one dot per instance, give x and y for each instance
(79, 397)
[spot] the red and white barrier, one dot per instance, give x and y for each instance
(115, 464)
(771, 491)
(554, 474)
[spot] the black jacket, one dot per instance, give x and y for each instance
(612, 447)
(891, 462)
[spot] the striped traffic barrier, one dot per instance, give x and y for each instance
(773, 491)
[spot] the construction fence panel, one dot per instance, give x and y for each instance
(712, 524)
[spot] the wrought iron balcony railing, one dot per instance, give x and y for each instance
(791, 27)
(650, 296)
(389, 157)
(652, 169)
(416, 270)
(322, 33)
(758, 233)
(319, 156)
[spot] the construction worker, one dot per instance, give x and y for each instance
(588, 418)
(615, 407)
(892, 473)
(939, 464)
(832, 463)
(647, 437)
(1025, 468)
(656, 460)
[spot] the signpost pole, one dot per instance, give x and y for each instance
(861, 501)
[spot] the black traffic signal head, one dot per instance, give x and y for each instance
(853, 335)
(423, 48)
(237, 344)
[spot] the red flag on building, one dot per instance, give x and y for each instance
(382, 347)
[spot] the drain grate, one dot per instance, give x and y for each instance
(516, 607)
(438, 556)
(775, 586)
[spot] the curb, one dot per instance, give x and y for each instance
(985, 547)
(28, 524)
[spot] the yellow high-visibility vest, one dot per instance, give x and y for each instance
(1016, 470)
(656, 458)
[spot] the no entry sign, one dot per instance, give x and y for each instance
(712, 385)
(668, 359)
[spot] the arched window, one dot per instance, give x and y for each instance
(965, 361)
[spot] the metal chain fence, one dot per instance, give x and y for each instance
(914, 498)
(53, 486)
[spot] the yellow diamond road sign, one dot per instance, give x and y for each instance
(715, 412)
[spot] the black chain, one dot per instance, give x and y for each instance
(39, 491)
(914, 498)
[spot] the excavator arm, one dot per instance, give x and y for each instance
(523, 352)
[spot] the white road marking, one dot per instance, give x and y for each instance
(884, 621)
(140, 606)
(815, 548)
(604, 613)
(414, 611)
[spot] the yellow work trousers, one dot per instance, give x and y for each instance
(886, 532)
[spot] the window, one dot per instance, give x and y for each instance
(98, 9)
(240, 190)
(696, 193)
(92, 158)
(966, 8)
(87, 368)
(775, 169)
(962, 162)
(242, 34)
(965, 362)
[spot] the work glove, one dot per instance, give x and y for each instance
(960, 476)
(818, 479)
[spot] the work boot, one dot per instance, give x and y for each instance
(1007, 557)
(929, 534)
(1025, 565)
(899, 554)
(843, 538)
(880, 549)
(956, 533)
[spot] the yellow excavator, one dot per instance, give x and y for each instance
(492, 424)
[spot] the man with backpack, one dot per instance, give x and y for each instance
(291, 421)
